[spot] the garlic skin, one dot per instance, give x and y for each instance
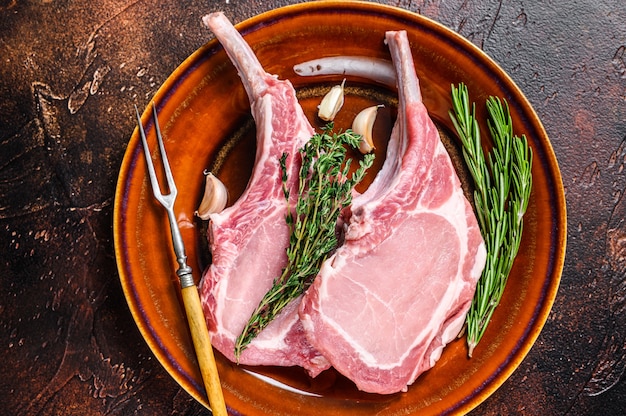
(215, 197)
(331, 103)
(363, 124)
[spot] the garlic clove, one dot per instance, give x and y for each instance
(363, 124)
(331, 103)
(215, 197)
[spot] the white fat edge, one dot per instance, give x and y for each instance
(365, 356)
(268, 344)
(286, 319)
(452, 210)
(456, 217)
(275, 343)
(279, 384)
(453, 329)
(449, 334)
(379, 70)
(334, 265)
(481, 257)
(221, 291)
(335, 262)
(454, 213)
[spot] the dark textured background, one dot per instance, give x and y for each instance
(70, 72)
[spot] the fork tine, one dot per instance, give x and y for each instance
(191, 300)
(166, 164)
(167, 200)
(156, 190)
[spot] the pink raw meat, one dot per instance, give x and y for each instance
(248, 240)
(386, 303)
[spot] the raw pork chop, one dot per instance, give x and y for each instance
(386, 303)
(248, 239)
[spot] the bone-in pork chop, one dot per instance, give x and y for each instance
(386, 303)
(248, 239)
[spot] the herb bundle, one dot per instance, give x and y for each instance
(324, 188)
(503, 182)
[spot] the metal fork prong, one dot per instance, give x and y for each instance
(166, 200)
(193, 307)
(166, 164)
(156, 190)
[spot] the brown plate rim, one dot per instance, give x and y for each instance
(543, 154)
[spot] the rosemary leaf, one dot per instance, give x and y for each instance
(502, 182)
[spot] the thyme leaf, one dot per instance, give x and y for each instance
(324, 188)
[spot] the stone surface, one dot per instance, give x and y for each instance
(70, 73)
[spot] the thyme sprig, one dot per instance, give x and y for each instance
(503, 182)
(324, 188)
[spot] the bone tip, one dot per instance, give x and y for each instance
(206, 19)
(397, 34)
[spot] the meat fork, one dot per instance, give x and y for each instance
(191, 299)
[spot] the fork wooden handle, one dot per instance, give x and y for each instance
(204, 350)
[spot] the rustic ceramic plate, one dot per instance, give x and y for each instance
(204, 115)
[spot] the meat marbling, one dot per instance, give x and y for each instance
(397, 291)
(248, 239)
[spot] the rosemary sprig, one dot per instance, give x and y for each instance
(324, 189)
(502, 183)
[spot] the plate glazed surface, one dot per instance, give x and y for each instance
(205, 118)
